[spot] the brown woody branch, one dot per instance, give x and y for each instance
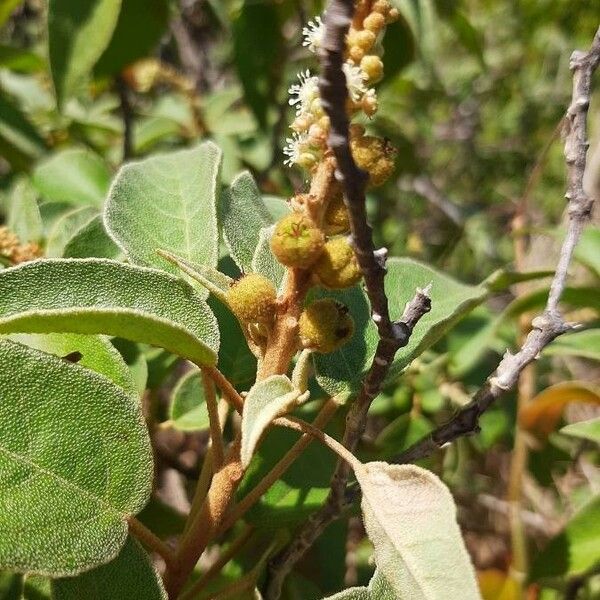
(392, 335)
(550, 324)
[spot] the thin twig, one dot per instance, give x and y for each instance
(229, 392)
(150, 540)
(216, 434)
(550, 324)
(300, 425)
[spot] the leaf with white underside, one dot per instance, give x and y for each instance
(75, 463)
(378, 589)
(342, 372)
(410, 517)
(265, 401)
(243, 214)
(168, 202)
(129, 575)
(93, 352)
(96, 295)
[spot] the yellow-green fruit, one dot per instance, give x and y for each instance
(375, 156)
(337, 267)
(253, 298)
(325, 326)
(296, 241)
(336, 218)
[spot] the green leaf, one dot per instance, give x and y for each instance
(574, 550)
(18, 59)
(588, 430)
(301, 490)
(243, 214)
(91, 241)
(64, 227)
(129, 575)
(587, 250)
(94, 352)
(103, 296)
(23, 213)
(131, 42)
(264, 262)
(76, 175)
(167, 202)
(410, 517)
(75, 462)
(585, 344)
(188, 410)
(341, 371)
(265, 401)
(469, 353)
(257, 45)
(503, 278)
(20, 142)
(78, 33)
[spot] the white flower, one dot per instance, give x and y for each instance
(297, 145)
(355, 80)
(313, 34)
(304, 93)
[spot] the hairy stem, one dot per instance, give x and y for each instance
(150, 540)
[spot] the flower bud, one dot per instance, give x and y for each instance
(337, 267)
(296, 241)
(373, 67)
(374, 22)
(253, 299)
(336, 220)
(375, 156)
(325, 326)
(365, 39)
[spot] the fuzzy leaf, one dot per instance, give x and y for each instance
(379, 589)
(167, 202)
(264, 262)
(93, 352)
(129, 575)
(243, 215)
(410, 517)
(75, 462)
(266, 400)
(188, 410)
(78, 33)
(451, 300)
(23, 213)
(65, 226)
(104, 296)
(76, 175)
(91, 241)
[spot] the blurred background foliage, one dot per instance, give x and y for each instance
(473, 95)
